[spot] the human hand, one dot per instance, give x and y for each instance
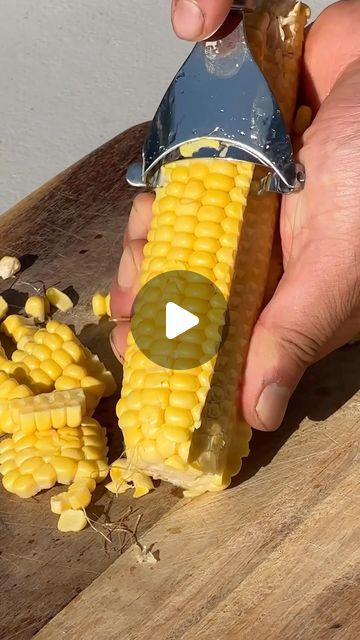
(196, 20)
(316, 307)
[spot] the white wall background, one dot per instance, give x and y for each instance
(73, 74)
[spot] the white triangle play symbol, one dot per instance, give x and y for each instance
(178, 320)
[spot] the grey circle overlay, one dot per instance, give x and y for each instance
(197, 295)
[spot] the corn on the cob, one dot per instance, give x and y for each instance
(183, 426)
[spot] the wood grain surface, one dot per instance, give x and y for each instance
(275, 557)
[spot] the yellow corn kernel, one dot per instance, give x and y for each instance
(41, 352)
(7, 388)
(6, 445)
(115, 488)
(52, 326)
(73, 453)
(60, 503)
(21, 441)
(25, 486)
(65, 468)
(10, 478)
(133, 437)
(17, 355)
(99, 305)
(142, 483)
(69, 433)
(7, 466)
(174, 416)
(51, 368)
(79, 496)
(23, 331)
(30, 465)
(65, 383)
(74, 350)
(218, 182)
(7, 455)
(75, 371)
(40, 381)
(40, 336)
(4, 307)
(47, 448)
(31, 362)
(62, 358)
(66, 334)
(51, 340)
(25, 454)
(72, 520)
(176, 434)
(89, 483)
(11, 323)
(36, 307)
(87, 469)
(20, 372)
(94, 386)
(45, 476)
(164, 446)
(93, 453)
(59, 299)
(102, 468)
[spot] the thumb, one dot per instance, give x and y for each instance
(305, 315)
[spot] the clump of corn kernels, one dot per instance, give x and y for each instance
(53, 358)
(48, 390)
(124, 477)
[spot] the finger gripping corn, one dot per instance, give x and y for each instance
(184, 426)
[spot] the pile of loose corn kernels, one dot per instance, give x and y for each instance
(49, 388)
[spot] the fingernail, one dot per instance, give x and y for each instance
(128, 272)
(115, 351)
(188, 19)
(272, 405)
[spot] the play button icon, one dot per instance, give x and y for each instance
(178, 320)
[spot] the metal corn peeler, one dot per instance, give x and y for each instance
(221, 94)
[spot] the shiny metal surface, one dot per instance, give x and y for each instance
(221, 94)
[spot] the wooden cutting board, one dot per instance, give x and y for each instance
(275, 557)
